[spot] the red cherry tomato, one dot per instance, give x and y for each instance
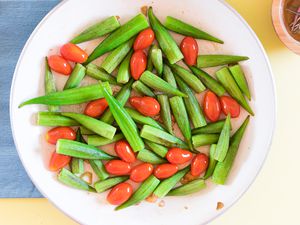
(141, 172)
(178, 155)
(73, 53)
(189, 49)
(96, 108)
(199, 164)
(124, 151)
(144, 39)
(166, 170)
(59, 64)
(211, 105)
(117, 167)
(147, 106)
(119, 194)
(58, 161)
(229, 105)
(138, 63)
(60, 133)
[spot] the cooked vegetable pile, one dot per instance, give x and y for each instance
(155, 92)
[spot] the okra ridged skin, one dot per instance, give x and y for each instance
(211, 128)
(169, 76)
(204, 139)
(204, 61)
(141, 88)
(54, 119)
(165, 112)
(50, 85)
(76, 77)
(96, 140)
(240, 79)
(99, 169)
(99, 74)
(157, 60)
(157, 148)
(189, 188)
(104, 185)
(149, 61)
(85, 131)
(123, 75)
(76, 164)
(212, 162)
(148, 156)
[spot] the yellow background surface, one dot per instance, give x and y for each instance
(274, 197)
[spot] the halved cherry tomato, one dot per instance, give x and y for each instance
(147, 106)
(178, 155)
(96, 108)
(138, 63)
(141, 172)
(60, 133)
(144, 39)
(124, 151)
(189, 49)
(119, 194)
(212, 107)
(166, 170)
(58, 161)
(199, 164)
(229, 105)
(73, 53)
(117, 167)
(59, 64)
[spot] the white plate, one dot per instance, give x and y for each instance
(70, 17)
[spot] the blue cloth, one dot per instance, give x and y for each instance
(17, 20)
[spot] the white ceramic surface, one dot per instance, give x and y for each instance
(69, 18)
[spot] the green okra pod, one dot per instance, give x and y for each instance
(125, 122)
(157, 148)
(96, 140)
(97, 126)
(146, 188)
(99, 169)
(99, 74)
(104, 185)
(155, 82)
(208, 81)
(189, 78)
(185, 29)
(119, 36)
(169, 76)
(140, 87)
(77, 164)
(123, 75)
(80, 150)
(71, 180)
(97, 30)
(204, 139)
(76, 77)
(240, 79)
(223, 142)
(85, 131)
(54, 119)
(189, 188)
(70, 96)
(149, 61)
(50, 85)
(143, 120)
(111, 62)
(165, 112)
(212, 162)
(165, 40)
(166, 185)
(157, 59)
(192, 105)
(204, 61)
(222, 169)
(161, 137)
(226, 79)
(148, 156)
(211, 128)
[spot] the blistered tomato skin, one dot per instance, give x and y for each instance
(96, 108)
(141, 172)
(178, 156)
(60, 133)
(73, 53)
(229, 105)
(144, 39)
(124, 151)
(58, 161)
(189, 49)
(119, 194)
(211, 106)
(117, 167)
(138, 64)
(166, 170)
(199, 164)
(59, 65)
(147, 106)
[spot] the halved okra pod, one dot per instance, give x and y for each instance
(140, 87)
(204, 61)
(119, 36)
(123, 75)
(54, 119)
(156, 83)
(148, 156)
(240, 79)
(169, 76)
(157, 148)
(211, 128)
(165, 112)
(77, 164)
(104, 185)
(192, 105)
(181, 27)
(157, 59)
(97, 30)
(222, 169)
(165, 40)
(146, 188)
(50, 85)
(96, 140)
(226, 79)
(99, 74)
(189, 188)
(99, 169)
(76, 77)
(212, 162)
(204, 139)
